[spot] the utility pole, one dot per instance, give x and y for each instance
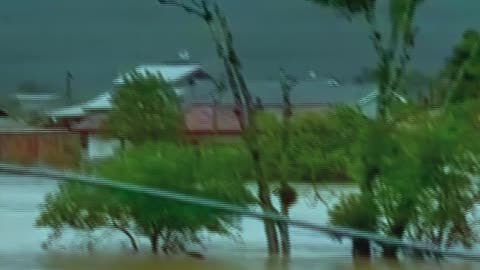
(68, 88)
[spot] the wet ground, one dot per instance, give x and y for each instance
(21, 242)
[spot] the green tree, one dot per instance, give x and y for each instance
(423, 187)
(77, 206)
(307, 147)
(145, 109)
(393, 48)
(461, 75)
(218, 26)
(438, 155)
(170, 227)
(185, 169)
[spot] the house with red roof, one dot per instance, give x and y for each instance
(208, 112)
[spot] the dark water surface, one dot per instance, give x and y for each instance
(95, 39)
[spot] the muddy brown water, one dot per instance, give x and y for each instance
(21, 242)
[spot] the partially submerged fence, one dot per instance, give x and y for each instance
(339, 232)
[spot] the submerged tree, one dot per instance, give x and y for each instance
(211, 14)
(187, 169)
(77, 206)
(170, 227)
(424, 187)
(394, 53)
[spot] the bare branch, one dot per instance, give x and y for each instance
(196, 3)
(195, 9)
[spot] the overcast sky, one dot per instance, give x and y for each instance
(97, 38)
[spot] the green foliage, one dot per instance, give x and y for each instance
(77, 206)
(319, 145)
(206, 172)
(145, 109)
(355, 211)
(348, 7)
(185, 169)
(462, 71)
(393, 48)
(323, 144)
(402, 13)
(415, 171)
(424, 187)
(85, 209)
(180, 167)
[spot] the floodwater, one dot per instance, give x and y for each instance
(21, 242)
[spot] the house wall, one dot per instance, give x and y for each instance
(40, 147)
(101, 148)
(201, 127)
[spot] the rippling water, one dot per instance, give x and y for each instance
(20, 241)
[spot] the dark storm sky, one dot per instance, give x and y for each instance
(40, 39)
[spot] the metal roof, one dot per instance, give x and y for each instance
(7, 123)
(70, 111)
(169, 72)
(101, 102)
(313, 92)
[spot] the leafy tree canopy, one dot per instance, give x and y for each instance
(145, 109)
(424, 188)
(212, 172)
(462, 70)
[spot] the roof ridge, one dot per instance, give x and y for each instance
(170, 64)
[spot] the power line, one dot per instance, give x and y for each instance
(242, 211)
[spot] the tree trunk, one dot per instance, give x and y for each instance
(390, 252)
(272, 237)
(239, 87)
(154, 243)
(266, 204)
(361, 248)
(217, 23)
(132, 240)
(285, 234)
(288, 196)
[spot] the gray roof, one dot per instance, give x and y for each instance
(169, 72)
(10, 123)
(311, 92)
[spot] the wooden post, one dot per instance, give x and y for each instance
(68, 88)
